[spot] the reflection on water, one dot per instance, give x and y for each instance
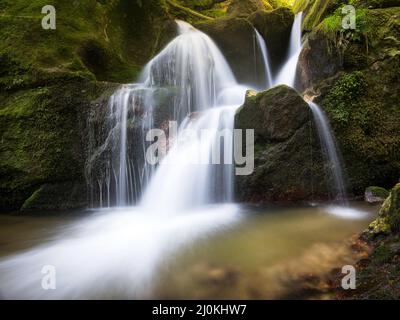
(219, 252)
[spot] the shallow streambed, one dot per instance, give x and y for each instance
(219, 252)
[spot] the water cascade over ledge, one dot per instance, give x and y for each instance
(328, 143)
(262, 46)
(189, 76)
(287, 75)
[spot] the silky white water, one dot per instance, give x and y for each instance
(287, 75)
(117, 252)
(267, 81)
(195, 76)
(121, 249)
(329, 146)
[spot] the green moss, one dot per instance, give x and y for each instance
(394, 210)
(378, 192)
(382, 254)
(121, 34)
(344, 95)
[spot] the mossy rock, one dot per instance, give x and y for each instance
(289, 163)
(43, 132)
(375, 194)
(359, 92)
(244, 8)
(314, 11)
(389, 215)
(375, 3)
(275, 114)
(119, 35)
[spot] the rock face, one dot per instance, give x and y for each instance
(235, 38)
(244, 8)
(317, 61)
(289, 165)
(359, 92)
(275, 27)
(48, 80)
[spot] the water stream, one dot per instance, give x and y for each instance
(262, 46)
(287, 75)
(122, 250)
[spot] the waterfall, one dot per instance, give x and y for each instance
(287, 75)
(329, 146)
(262, 46)
(190, 75)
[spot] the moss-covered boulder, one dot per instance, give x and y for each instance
(389, 215)
(43, 130)
(275, 27)
(244, 8)
(289, 165)
(355, 75)
(375, 194)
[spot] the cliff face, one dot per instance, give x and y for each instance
(354, 75)
(48, 79)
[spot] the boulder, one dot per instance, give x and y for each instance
(375, 194)
(289, 164)
(275, 116)
(389, 215)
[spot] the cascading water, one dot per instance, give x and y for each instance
(329, 146)
(287, 75)
(193, 74)
(262, 46)
(125, 246)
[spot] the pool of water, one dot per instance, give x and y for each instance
(227, 252)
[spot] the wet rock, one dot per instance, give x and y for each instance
(317, 61)
(375, 194)
(275, 115)
(275, 27)
(289, 165)
(235, 38)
